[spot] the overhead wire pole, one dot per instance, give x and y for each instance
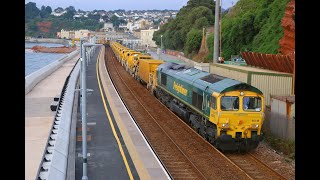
(216, 32)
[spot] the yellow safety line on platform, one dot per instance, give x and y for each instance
(112, 126)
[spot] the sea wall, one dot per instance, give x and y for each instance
(48, 40)
(34, 78)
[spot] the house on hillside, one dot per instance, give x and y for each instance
(108, 27)
(58, 13)
(146, 38)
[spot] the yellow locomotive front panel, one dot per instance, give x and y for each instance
(238, 116)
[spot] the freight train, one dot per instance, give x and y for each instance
(227, 113)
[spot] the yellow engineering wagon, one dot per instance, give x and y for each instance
(146, 71)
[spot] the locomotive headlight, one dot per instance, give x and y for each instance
(241, 93)
(225, 125)
(254, 126)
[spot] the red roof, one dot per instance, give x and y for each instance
(275, 62)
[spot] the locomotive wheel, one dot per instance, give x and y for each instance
(194, 128)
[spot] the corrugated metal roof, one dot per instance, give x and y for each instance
(276, 62)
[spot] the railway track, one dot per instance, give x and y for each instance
(255, 168)
(183, 152)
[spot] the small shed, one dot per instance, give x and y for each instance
(282, 120)
(268, 81)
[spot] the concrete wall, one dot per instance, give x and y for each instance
(48, 40)
(202, 66)
(237, 75)
(281, 121)
(54, 165)
(188, 62)
(34, 78)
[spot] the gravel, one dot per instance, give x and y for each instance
(275, 160)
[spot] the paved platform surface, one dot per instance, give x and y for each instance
(105, 160)
(39, 117)
(144, 159)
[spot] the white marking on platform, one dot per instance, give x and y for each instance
(80, 155)
(91, 123)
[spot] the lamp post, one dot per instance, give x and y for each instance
(83, 109)
(81, 59)
(161, 44)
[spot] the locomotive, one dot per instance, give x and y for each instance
(227, 113)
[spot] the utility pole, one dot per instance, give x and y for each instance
(220, 24)
(216, 32)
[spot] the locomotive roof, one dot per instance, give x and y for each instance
(203, 79)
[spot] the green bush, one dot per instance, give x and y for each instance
(253, 26)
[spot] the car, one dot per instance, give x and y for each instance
(238, 59)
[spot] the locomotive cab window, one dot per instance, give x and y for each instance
(229, 103)
(213, 102)
(164, 79)
(251, 103)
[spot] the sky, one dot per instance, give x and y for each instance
(89, 5)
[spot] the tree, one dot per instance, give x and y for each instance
(254, 26)
(115, 21)
(197, 14)
(196, 3)
(48, 10)
(59, 10)
(31, 10)
(193, 42)
(94, 16)
(45, 11)
(71, 8)
(70, 12)
(201, 23)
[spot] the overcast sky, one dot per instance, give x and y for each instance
(89, 5)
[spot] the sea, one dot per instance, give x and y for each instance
(35, 61)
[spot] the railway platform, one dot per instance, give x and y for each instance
(116, 147)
